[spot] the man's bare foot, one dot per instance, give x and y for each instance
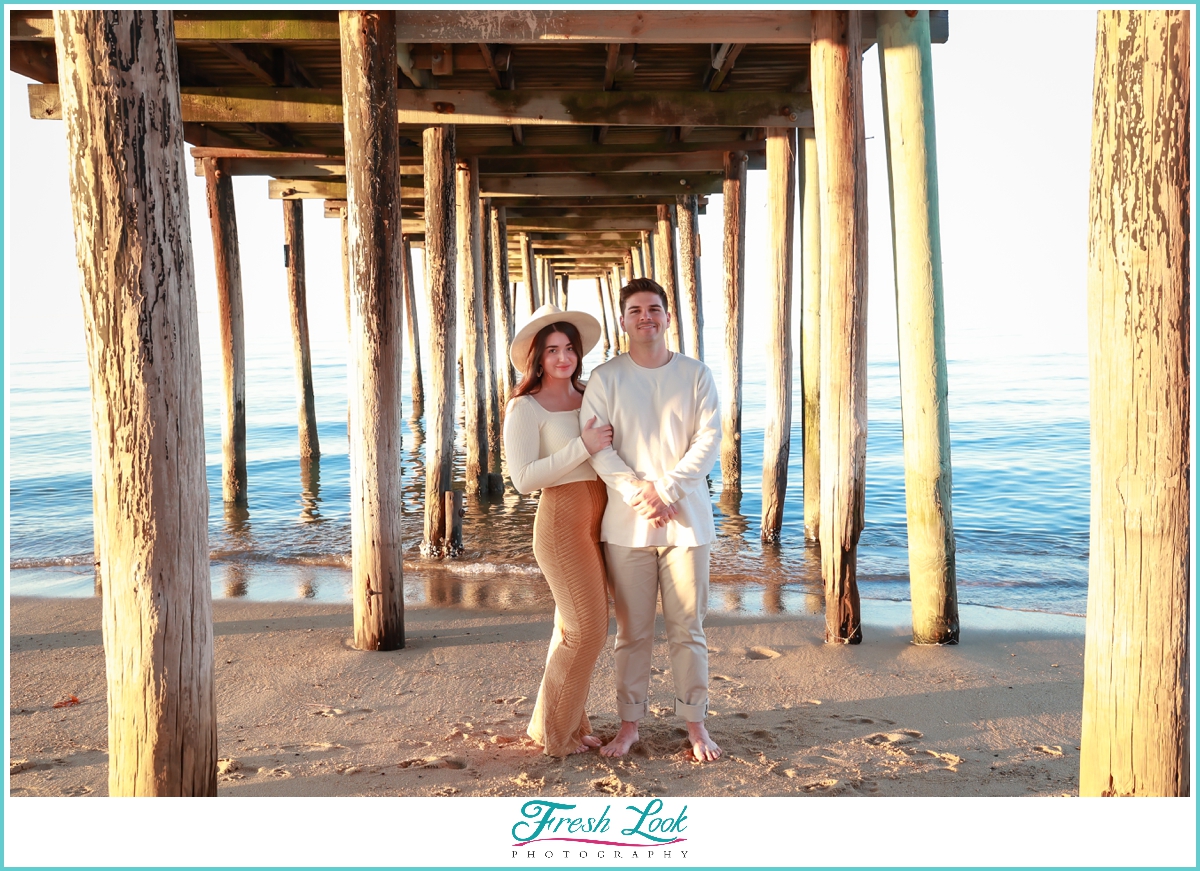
(591, 741)
(704, 748)
(627, 736)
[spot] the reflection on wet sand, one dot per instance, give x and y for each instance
(236, 580)
(306, 583)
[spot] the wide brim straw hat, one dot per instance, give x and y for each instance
(588, 326)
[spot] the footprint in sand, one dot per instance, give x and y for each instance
(762, 653)
(900, 736)
(228, 766)
(827, 783)
(524, 781)
(1049, 749)
(444, 761)
(612, 785)
(952, 761)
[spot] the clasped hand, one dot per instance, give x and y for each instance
(649, 504)
(596, 438)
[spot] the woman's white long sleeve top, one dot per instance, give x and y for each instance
(543, 448)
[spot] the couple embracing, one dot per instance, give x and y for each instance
(622, 467)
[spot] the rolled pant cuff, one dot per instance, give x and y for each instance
(633, 711)
(691, 713)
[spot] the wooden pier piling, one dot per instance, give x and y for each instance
(666, 271)
(437, 147)
(810, 329)
(417, 379)
(777, 436)
(529, 275)
(128, 180)
(492, 398)
(470, 290)
(293, 261)
(687, 210)
(506, 318)
(368, 51)
(734, 260)
(906, 72)
(603, 317)
(841, 155)
(1136, 686)
(227, 261)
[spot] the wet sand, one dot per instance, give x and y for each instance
(301, 713)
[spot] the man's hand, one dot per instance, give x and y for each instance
(649, 504)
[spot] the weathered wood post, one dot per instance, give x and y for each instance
(564, 282)
(603, 316)
(119, 85)
(665, 272)
(529, 274)
(417, 387)
(470, 289)
(550, 283)
(614, 291)
(648, 264)
(777, 437)
(810, 330)
(492, 398)
(227, 260)
(1135, 686)
(841, 155)
(636, 261)
(627, 265)
(734, 259)
(293, 261)
(368, 45)
(505, 377)
(437, 148)
(688, 212)
(906, 71)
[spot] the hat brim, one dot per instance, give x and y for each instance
(522, 343)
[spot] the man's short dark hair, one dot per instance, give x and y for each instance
(643, 285)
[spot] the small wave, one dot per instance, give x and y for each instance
(37, 562)
(481, 568)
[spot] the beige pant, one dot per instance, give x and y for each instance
(637, 575)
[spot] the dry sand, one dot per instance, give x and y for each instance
(301, 713)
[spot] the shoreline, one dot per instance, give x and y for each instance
(301, 713)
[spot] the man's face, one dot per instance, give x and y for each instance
(645, 319)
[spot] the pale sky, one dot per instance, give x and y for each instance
(1013, 104)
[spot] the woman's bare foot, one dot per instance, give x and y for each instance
(704, 748)
(591, 741)
(627, 736)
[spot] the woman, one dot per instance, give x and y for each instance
(547, 450)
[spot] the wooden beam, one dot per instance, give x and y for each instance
(613, 184)
(489, 61)
(553, 224)
(601, 161)
(226, 105)
(666, 273)
(250, 64)
(501, 26)
(723, 63)
(637, 108)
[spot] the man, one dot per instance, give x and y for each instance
(658, 527)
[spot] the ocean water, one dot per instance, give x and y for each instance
(1019, 432)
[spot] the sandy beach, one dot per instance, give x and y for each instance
(301, 713)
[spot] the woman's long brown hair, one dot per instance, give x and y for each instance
(531, 382)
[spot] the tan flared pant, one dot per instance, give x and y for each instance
(566, 543)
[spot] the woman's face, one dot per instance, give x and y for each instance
(559, 359)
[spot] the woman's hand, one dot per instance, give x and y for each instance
(596, 438)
